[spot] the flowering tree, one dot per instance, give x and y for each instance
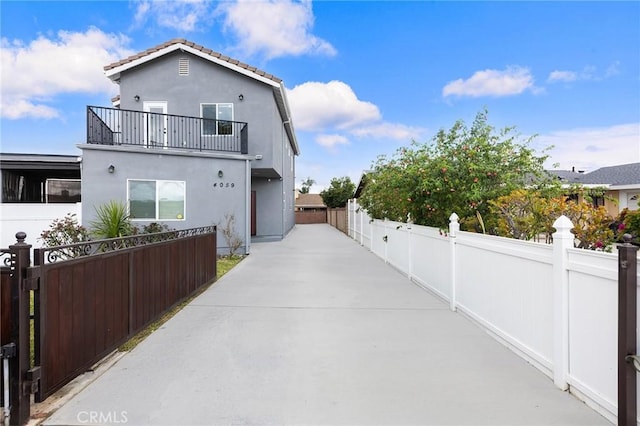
(529, 214)
(460, 171)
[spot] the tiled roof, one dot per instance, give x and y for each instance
(625, 174)
(195, 46)
(309, 200)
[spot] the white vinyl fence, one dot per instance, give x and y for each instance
(554, 305)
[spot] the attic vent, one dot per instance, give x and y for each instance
(183, 66)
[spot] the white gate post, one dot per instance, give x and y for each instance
(454, 227)
(562, 240)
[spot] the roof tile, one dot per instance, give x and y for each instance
(204, 50)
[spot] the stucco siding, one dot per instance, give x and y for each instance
(208, 83)
(208, 197)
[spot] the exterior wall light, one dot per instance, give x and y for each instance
(111, 168)
(136, 98)
(220, 174)
(241, 96)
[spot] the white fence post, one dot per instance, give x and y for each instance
(454, 227)
(349, 206)
(361, 216)
(385, 237)
(562, 240)
(409, 226)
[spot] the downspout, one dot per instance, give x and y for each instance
(247, 210)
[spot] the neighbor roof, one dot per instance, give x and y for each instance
(625, 174)
(14, 161)
(114, 70)
(310, 200)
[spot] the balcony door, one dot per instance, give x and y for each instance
(155, 124)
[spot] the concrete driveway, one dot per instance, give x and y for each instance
(316, 330)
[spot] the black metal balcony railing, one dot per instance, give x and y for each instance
(113, 126)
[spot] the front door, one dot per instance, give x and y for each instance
(155, 125)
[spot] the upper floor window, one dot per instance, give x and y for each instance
(156, 199)
(217, 119)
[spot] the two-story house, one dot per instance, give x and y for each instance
(193, 136)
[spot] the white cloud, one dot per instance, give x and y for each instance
(330, 141)
(565, 76)
(334, 109)
(511, 81)
(318, 106)
(32, 74)
(591, 148)
(390, 131)
(613, 69)
(274, 28)
(588, 73)
(183, 15)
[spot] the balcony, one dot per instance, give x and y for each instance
(113, 126)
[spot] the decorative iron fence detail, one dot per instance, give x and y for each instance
(5, 257)
(114, 126)
(88, 248)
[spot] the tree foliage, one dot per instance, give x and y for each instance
(529, 214)
(459, 171)
(306, 185)
(339, 192)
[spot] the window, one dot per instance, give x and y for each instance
(156, 199)
(62, 190)
(217, 119)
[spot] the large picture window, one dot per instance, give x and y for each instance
(156, 199)
(217, 119)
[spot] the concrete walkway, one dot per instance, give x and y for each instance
(317, 330)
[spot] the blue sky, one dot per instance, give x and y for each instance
(363, 78)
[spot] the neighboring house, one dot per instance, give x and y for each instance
(36, 189)
(309, 202)
(310, 209)
(193, 136)
(621, 184)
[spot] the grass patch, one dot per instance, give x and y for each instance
(224, 265)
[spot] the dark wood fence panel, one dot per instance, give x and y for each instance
(83, 312)
(88, 306)
(5, 316)
(5, 305)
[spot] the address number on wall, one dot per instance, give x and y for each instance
(222, 185)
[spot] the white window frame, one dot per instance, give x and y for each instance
(202, 133)
(157, 200)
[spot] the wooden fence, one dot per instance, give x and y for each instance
(306, 217)
(338, 218)
(89, 298)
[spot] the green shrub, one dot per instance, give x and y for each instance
(112, 221)
(64, 231)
